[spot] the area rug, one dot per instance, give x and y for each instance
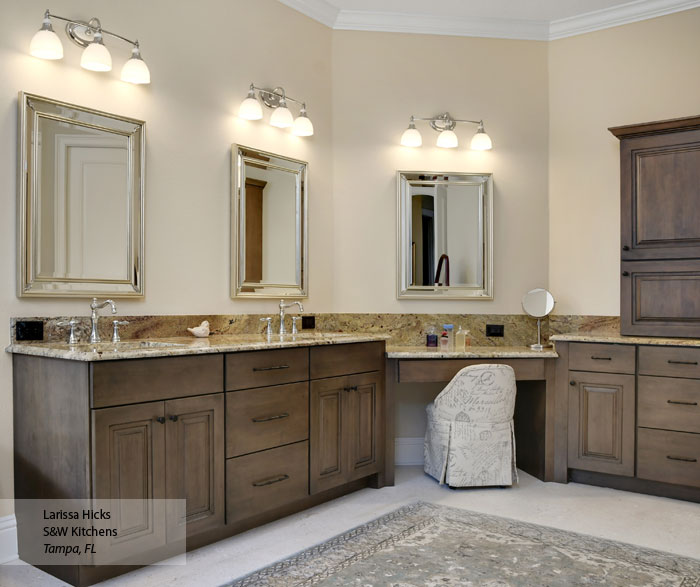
(431, 545)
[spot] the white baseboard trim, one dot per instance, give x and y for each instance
(8, 539)
(408, 451)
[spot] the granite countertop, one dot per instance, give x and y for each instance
(617, 338)
(178, 346)
(473, 352)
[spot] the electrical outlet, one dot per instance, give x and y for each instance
(308, 322)
(29, 330)
(494, 330)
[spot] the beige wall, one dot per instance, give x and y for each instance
(635, 73)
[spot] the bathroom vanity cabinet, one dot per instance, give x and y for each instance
(244, 437)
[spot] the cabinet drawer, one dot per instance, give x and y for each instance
(140, 380)
(669, 361)
(601, 358)
(257, 419)
(263, 368)
(266, 480)
(671, 457)
(346, 359)
(669, 403)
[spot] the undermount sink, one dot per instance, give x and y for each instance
(125, 345)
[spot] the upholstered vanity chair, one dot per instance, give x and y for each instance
(469, 441)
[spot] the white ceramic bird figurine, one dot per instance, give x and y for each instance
(201, 331)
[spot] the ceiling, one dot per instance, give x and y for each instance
(510, 19)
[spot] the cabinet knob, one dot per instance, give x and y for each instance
(572, 383)
(625, 247)
(173, 418)
(160, 420)
(625, 274)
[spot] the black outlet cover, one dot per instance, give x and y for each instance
(29, 330)
(308, 322)
(494, 330)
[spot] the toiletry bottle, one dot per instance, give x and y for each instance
(431, 338)
(449, 328)
(444, 339)
(467, 339)
(460, 339)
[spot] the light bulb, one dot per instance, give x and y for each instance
(45, 43)
(447, 139)
(302, 125)
(481, 141)
(135, 70)
(250, 108)
(96, 56)
(411, 137)
(282, 117)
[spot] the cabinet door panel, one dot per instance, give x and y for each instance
(327, 458)
(363, 422)
(195, 459)
(601, 422)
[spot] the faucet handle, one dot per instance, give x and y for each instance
(115, 332)
(295, 330)
(268, 328)
(72, 337)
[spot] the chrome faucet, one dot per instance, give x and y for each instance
(283, 329)
(94, 306)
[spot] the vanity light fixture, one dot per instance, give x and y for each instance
(447, 139)
(282, 117)
(46, 44)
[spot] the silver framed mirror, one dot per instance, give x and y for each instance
(445, 235)
(538, 303)
(269, 225)
(80, 201)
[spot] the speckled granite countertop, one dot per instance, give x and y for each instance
(172, 347)
(474, 352)
(617, 338)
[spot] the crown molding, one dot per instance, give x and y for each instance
(502, 28)
(319, 10)
(616, 16)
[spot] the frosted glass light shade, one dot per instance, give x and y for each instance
(481, 141)
(281, 117)
(96, 56)
(447, 139)
(46, 44)
(135, 70)
(250, 109)
(411, 137)
(302, 125)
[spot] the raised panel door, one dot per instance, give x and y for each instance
(327, 424)
(362, 434)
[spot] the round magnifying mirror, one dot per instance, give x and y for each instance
(538, 303)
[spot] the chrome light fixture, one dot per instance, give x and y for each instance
(447, 139)
(282, 117)
(46, 44)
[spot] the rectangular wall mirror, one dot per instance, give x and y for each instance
(269, 249)
(80, 201)
(445, 242)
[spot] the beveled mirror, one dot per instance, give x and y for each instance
(445, 235)
(269, 243)
(80, 201)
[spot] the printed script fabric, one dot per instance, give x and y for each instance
(469, 439)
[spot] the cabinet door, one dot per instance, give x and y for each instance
(601, 422)
(195, 459)
(363, 437)
(327, 422)
(129, 468)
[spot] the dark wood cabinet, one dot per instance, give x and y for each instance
(345, 429)
(660, 227)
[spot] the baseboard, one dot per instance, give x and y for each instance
(408, 451)
(8, 539)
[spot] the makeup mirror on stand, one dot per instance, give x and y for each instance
(538, 303)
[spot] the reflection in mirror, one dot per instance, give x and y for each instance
(445, 225)
(538, 303)
(269, 249)
(80, 201)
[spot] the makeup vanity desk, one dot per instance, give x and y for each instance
(540, 418)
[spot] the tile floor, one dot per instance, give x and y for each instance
(653, 522)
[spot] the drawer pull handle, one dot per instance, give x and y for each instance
(670, 401)
(270, 481)
(270, 418)
(601, 358)
(273, 368)
(682, 362)
(684, 459)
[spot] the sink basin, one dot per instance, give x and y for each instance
(125, 345)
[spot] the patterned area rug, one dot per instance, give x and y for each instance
(431, 545)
